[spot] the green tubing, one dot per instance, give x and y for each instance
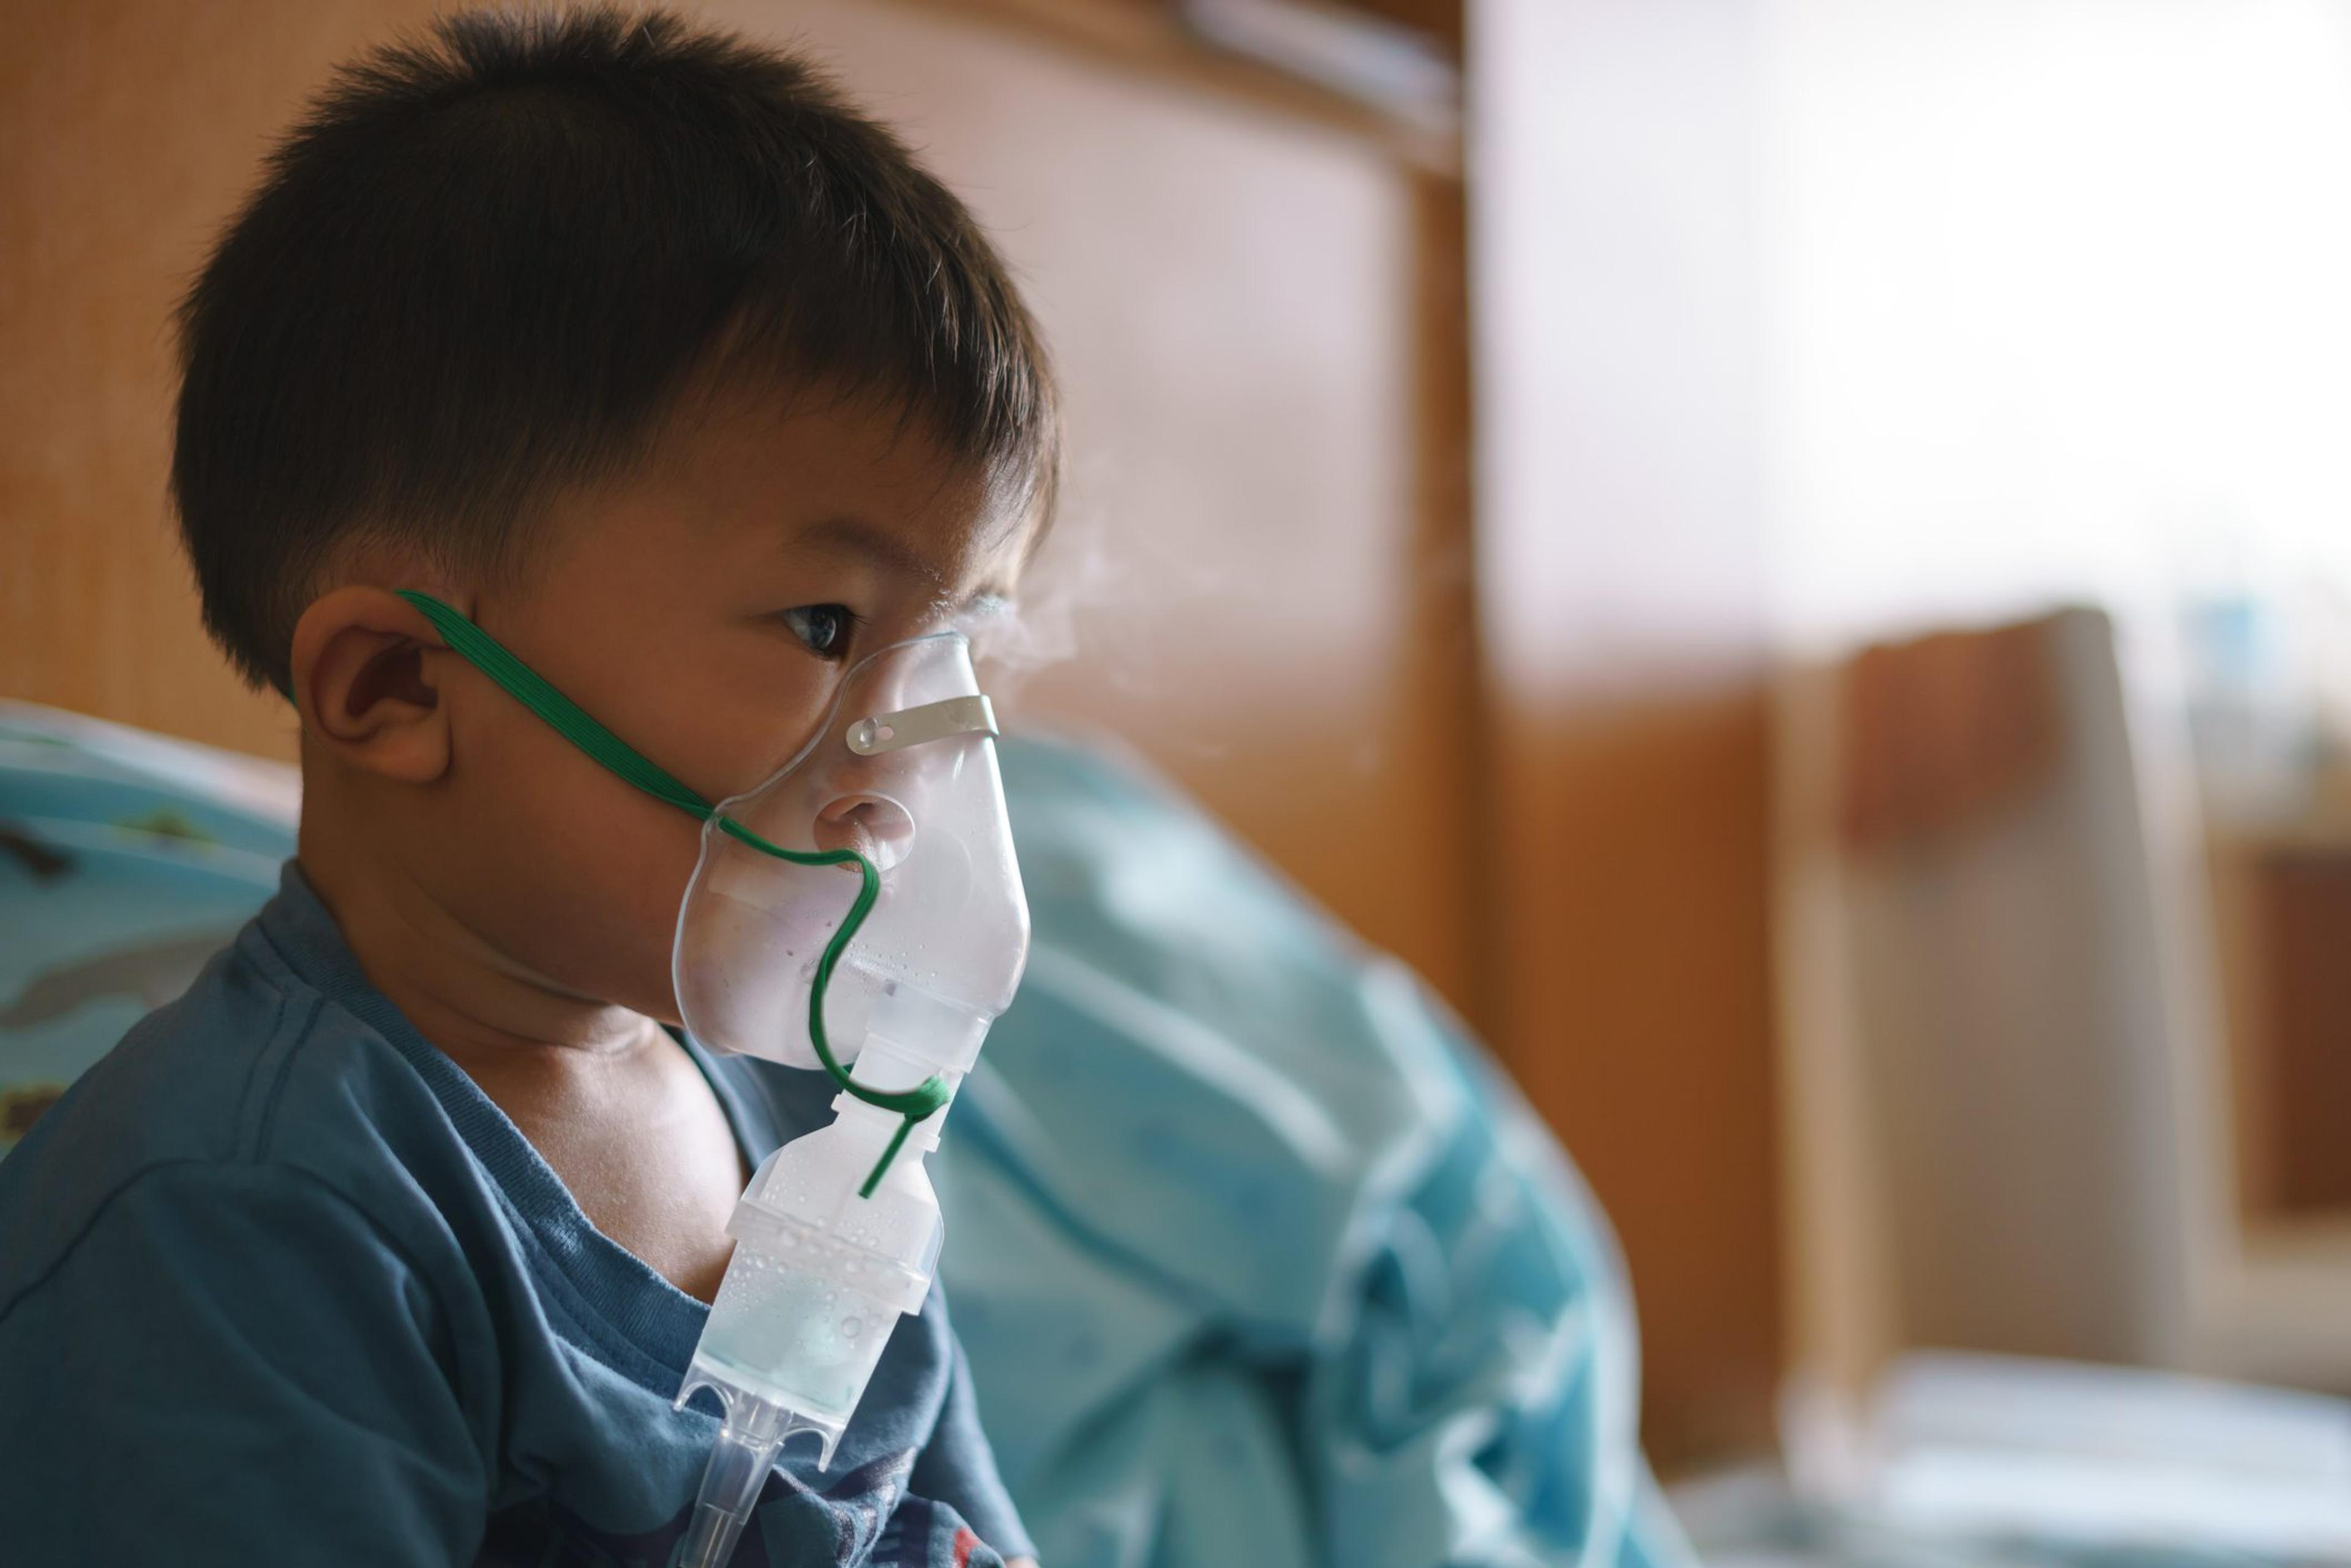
(576, 724)
(913, 1103)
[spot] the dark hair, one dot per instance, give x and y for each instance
(486, 264)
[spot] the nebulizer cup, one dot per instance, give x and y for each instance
(864, 905)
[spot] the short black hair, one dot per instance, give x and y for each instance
(486, 264)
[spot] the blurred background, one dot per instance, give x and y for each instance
(1790, 555)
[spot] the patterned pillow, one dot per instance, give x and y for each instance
(126, 861)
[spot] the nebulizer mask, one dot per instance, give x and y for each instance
(861, 905)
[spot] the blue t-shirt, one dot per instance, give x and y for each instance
(279, 1284)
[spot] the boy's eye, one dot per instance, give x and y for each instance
(825, 628)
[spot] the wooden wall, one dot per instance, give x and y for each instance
(127, 131)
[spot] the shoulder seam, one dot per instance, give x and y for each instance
(296, 1005)
(302, 1173)
(290, 1027)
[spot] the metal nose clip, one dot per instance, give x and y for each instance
(914, 726)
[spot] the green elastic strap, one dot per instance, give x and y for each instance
(575, 723)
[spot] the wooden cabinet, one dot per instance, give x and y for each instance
(2282, 903)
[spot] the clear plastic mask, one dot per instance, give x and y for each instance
(903, 770)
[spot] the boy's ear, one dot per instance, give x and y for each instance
(365, 688)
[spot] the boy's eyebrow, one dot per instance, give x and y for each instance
(854, 536)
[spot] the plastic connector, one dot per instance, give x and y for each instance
(746, 1450)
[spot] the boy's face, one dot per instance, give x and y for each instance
(706, 610)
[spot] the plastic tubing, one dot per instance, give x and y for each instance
(741, 1459)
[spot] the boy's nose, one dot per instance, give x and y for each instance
(874, 826)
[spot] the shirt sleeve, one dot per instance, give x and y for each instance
(233, 1366)
(957, 1468)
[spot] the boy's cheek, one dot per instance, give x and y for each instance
(717, 740)
(565, 869)
(610, 925)
(570, 871)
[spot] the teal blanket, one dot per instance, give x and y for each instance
(1257, 1258)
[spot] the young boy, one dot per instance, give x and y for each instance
(389, 1243)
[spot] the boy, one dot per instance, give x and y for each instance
(389, 1242)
